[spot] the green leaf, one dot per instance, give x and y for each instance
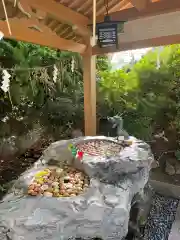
(177, 154)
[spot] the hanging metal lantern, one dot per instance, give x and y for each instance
(107, 32)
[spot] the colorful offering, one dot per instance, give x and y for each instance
(101, 147)
(59, 182)
(75, 152)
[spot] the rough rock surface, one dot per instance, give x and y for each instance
(102, 211)
(129, 160)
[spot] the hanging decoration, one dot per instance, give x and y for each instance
(43, 71)
(72, 65)
(26, 68)
(43, 77)
(6, 84)
(1, 35)
(55, 74)
(6, 81)
(75, 152)
(107, 31)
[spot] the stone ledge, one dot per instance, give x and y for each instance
(166, 189)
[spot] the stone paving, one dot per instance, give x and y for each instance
(175, 230)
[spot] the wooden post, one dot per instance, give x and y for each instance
(89, 69)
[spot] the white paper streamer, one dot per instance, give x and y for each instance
(6, 81)
(72, 65)
(1, 35)
(55, 73)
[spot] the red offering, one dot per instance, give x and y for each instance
(80, 155)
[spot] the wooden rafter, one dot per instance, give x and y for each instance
(120, 5)
(152, 9)
(140, 4)
(33, 23)
(61, 13)
(22, 32)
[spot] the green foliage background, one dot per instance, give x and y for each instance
(147, 96)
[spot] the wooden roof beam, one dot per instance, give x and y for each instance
(120, 5)
(145, 43)
(140, 4)
(62, 13)
(152, 9)
(22, 32)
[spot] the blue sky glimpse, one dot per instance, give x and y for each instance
(120, 59)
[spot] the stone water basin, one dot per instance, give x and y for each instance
(100, 211)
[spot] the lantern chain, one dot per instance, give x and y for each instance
(106, 4)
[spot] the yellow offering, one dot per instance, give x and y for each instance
(42, 173)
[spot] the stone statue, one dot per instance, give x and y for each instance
(117, 122)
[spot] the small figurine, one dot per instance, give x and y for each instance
(117, 122)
